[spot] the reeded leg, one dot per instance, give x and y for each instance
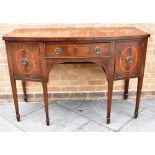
(139, 88)
(24, 90)
(44, 84)
(14, 91)
(126, 89)
(109, 100)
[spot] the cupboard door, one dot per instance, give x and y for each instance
(26, 60)
(128, 58)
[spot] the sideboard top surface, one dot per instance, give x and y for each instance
(74, 34)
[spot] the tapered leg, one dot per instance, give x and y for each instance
(24, 90)
(139, 88)
(126, 86)
(15, 98)
(109, 100)
(44, 84)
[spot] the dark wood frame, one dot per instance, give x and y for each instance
(108, 62)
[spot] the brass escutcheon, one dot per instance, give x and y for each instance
(97, 50)
(57, 50)
(129, 59)
(25, 61)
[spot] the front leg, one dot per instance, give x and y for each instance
(109, 100)
(110, 78)
(126, 87)
(44, 84)
(139, 88)
(15, 98)
(24, 90)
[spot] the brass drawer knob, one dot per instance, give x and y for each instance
(129, 59)
(97, 50)
(25, 61)
(57, 50)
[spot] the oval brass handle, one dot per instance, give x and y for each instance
(129, 59)
(97, 50)
(58, 50)
(25, 61)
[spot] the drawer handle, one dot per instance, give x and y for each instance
(97, 50)
(129, 59)
(57, 50)
(25, 61)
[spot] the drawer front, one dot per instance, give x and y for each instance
(128, 58)
(78, 50)
(59, 50)
(26, 60)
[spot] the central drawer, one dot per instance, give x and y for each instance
(78, 50)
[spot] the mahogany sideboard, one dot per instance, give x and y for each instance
(121, 51)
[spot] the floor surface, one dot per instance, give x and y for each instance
(79, 116)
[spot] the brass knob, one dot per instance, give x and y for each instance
(57, 50)
(97, 50)
(25, 61)
(129, 59)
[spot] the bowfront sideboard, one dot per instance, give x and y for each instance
(120, 51)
